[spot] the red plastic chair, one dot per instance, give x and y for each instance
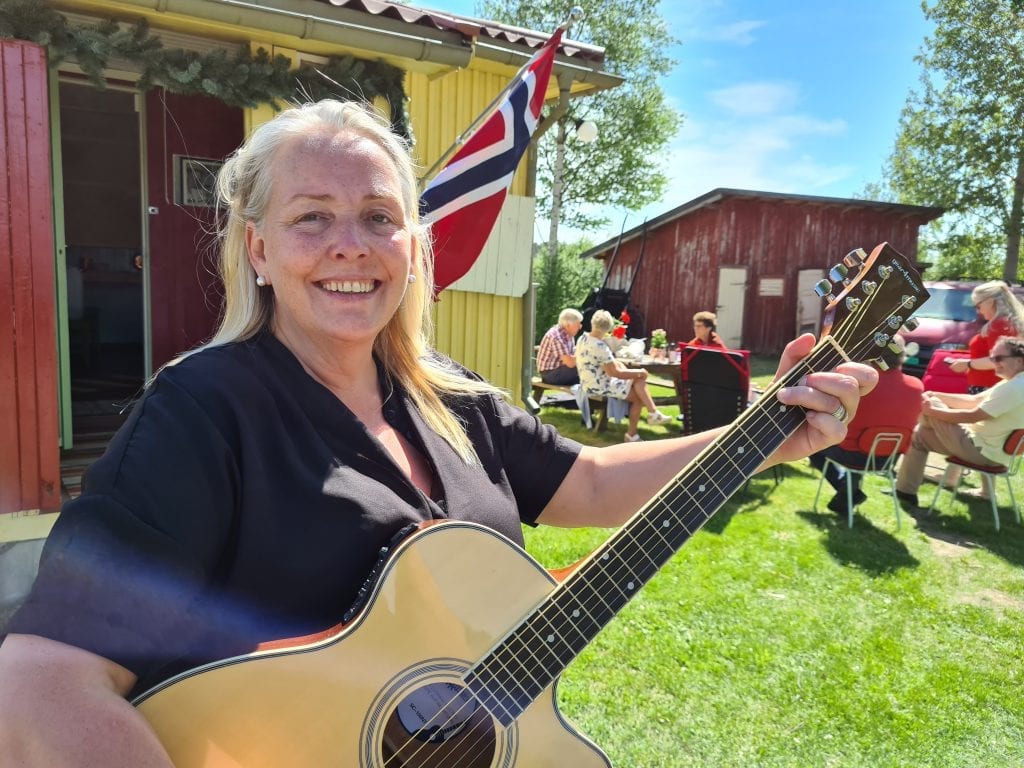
(1014, 446)
(883, 446)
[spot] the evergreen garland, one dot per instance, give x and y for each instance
(240, 79)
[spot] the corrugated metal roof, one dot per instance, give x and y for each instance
(927, 212)
(469, 26)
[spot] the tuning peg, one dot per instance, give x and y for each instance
(881, 339)
(884, 271)
(838, 273)
(894, 322)
(911, 323)
(824, 289)
(880, 363)
(869, 287)
(855, 258)
(852, 303)
(895, 348)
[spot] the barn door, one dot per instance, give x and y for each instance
(732, 293)
(808, 305)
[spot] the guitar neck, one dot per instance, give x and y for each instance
(875, 297)
(530, 658)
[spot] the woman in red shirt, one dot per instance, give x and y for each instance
(1004, 316)
(704, 327)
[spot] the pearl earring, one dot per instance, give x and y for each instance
(412, 279)
(261, 281)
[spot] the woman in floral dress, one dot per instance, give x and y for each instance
(602, 374)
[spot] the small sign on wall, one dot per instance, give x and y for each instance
(195, 181)
(770, 286)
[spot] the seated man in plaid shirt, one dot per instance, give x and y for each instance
(556, 356)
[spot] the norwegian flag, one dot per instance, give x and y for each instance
(463, 201)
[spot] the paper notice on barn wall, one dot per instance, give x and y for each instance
(770, 286)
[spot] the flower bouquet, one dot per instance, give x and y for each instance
(659, 342)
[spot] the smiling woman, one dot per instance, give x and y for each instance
(336, 247)
(247, 498)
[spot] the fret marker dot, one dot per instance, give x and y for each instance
(576, 614)
(604, 556)
(666, 524)
(630, 586)
(700, 488)
(551, 638)
(740, 449)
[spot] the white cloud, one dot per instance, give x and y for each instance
(762, 98)
(737, 33)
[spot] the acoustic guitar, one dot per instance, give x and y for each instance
(454, 658)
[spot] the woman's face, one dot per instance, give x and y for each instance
(335, 243)
(701, 331)
(986, 308)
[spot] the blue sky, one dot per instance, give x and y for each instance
(785, 96)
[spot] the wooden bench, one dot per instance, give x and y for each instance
(598, 405)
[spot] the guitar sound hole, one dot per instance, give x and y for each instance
(436, 725)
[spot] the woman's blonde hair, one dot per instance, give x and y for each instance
(602, 321)
(403, 346)
(1007, 304)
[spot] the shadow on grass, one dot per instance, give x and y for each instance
(970, 524)
(864, 546)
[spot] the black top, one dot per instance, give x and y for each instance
(243, 502)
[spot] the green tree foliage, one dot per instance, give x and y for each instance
(574, 279)
(624, 166)
(961, 137)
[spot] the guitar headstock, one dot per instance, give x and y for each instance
(870, 298)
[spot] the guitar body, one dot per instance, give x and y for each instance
(355, 697)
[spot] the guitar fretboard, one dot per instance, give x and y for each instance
(534, 653)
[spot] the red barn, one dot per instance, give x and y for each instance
(752, 258)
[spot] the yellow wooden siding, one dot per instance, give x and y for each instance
(484, 333)
(441, 108)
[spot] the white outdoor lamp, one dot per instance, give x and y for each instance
(586, 130)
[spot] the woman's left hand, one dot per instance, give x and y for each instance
(825, 395)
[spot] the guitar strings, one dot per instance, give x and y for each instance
(628, 569)
(589, 612)
(623, 566)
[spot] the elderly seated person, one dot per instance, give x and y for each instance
(556, 355)
(973, 428)
(602, 374)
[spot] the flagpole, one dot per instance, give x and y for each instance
(574, 15)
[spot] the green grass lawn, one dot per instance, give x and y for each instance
(779, 637)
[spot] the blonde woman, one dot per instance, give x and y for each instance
(1003, 314)
(247, 496)
(602, 374)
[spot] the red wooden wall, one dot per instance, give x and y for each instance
(772, 237)
(29, 449)
(185, 289)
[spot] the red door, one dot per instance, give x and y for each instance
(29, 449)
(186, 138)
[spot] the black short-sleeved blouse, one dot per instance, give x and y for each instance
(242, 502)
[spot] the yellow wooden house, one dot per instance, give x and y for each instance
(107, 261)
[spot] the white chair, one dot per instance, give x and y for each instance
(883, 446)
(1014, 447)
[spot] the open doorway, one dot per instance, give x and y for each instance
(102, 217)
